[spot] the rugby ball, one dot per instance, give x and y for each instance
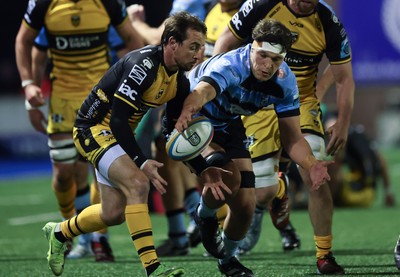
(192, 141)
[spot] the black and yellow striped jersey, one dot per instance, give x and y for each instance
(315, 35)
(77, 34)
(139, 81)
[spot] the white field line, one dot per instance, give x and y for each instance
(18, 221)
(22, 200)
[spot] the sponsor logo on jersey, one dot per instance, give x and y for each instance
(297, 24)
(249, 141)
(75, 20)
(102, 96)
(246, 9)
(128, 91)
(147, 63)
(92, 112)
(57, 118)
(63, 43)
(345, 49)
(137, 74)
(105, 133)
(236, 21)
(159, 94)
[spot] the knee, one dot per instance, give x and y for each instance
(63, 175)
(113, 216)
(138, 186)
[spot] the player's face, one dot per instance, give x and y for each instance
(189, 52)
(264, 63)
(303, 7)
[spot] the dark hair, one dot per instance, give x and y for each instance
(274, 32)
(177, 25)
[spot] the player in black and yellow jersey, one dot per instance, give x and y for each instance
(77, 36)
(104, 134)
(218, 15)
(317, 31)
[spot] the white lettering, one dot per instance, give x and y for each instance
(236, 21)
(126, 90)
(246, 8)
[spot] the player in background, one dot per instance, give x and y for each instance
(77, 36)
(104, 134)
(223, 88)
(152, 35)
(317, 31)
(88, 244)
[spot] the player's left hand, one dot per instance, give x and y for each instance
(319, 174)
(151, 171)
(212, 180)
(338, 138)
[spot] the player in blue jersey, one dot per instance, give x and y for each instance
(223, 88)
(318, 32)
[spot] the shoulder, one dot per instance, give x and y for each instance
(327, 15)
(142, 64)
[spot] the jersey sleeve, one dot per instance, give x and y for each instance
(222, 74)
(135, 78)
(35, 13)
(243, 22)
(338, 47)
(117, 11)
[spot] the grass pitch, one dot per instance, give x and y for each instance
(363, 242)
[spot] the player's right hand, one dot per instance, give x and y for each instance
(34, 95)
(38, 120)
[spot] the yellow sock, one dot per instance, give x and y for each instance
(95, 199)
(87, 221)
(323, 245)
(281, 189)
(222, 213)
(139, 225)
(66, 201)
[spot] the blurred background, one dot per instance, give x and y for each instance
(374, 31)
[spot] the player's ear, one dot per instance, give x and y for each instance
(172, 42)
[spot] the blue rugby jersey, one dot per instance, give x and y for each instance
(239, 92)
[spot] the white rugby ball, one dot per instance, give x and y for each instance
(192, 141)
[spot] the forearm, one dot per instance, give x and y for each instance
(345, 102)
(151, 35)
(39, 64)
(23, 59)
(200, 95)
(132, 38)
(300, 152)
